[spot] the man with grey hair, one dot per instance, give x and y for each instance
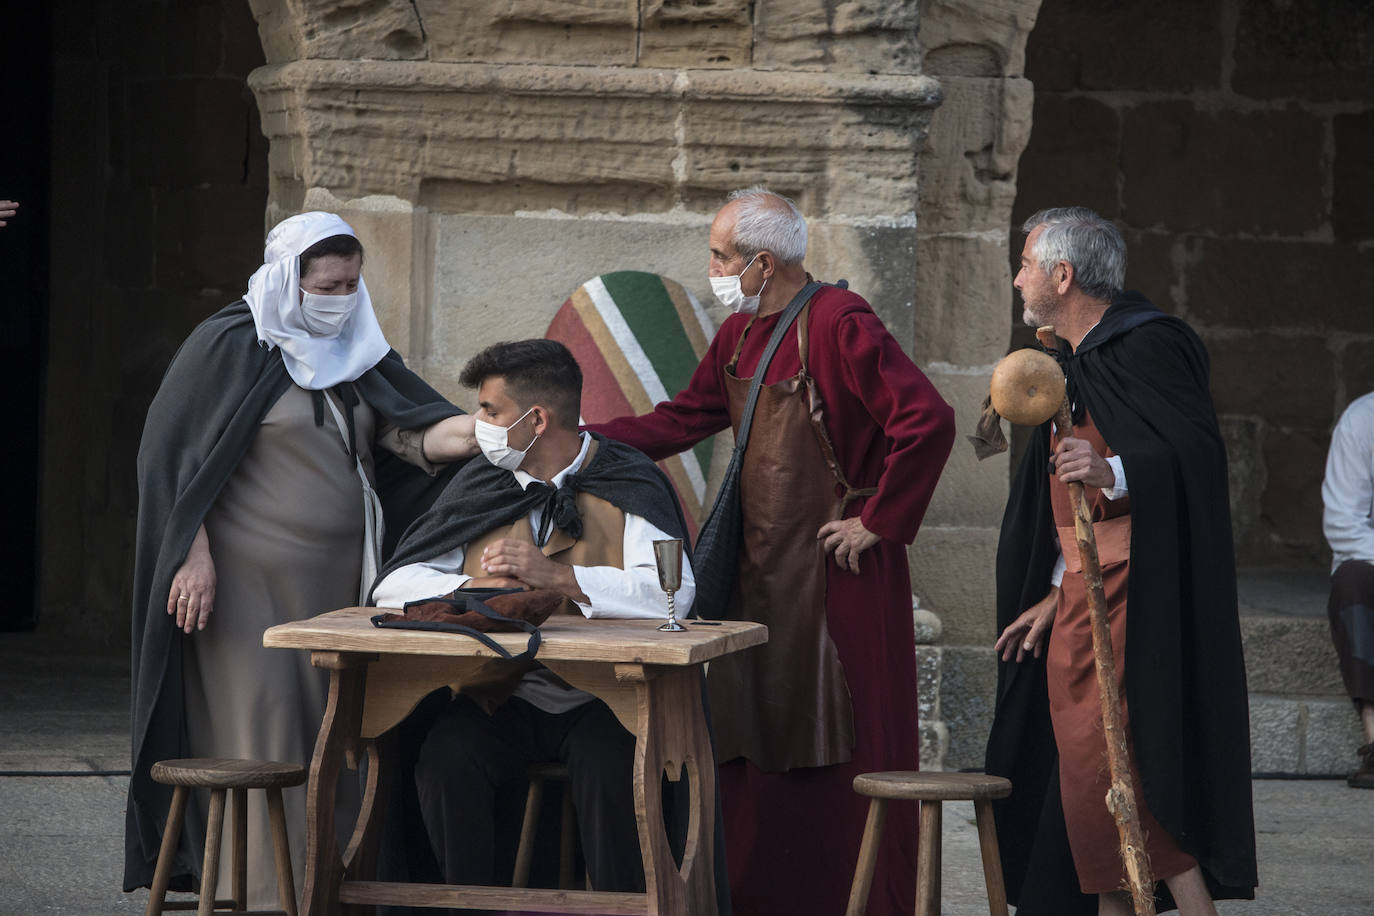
(1142, 411)
(847, 443)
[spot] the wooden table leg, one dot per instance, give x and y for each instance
(360, 858)
(338, 733)
(671, 737)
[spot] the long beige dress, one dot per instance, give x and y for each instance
(286, 536)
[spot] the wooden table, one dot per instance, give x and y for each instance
(650, 680)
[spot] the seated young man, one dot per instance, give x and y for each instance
(548, 507)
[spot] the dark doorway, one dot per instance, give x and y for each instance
(26, 72)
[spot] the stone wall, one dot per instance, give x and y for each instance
(1233, 140)
(494, 156)
(158, 184)
(963, 298)
(504, 153)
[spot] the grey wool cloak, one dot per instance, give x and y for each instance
(203, 421)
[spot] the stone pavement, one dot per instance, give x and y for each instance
(64, 750)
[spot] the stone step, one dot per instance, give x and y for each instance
(1303, 735)
(1301, 722)
(1290, 655)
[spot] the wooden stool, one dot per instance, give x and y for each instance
(219, 776)
(539, 774)
(930, 789)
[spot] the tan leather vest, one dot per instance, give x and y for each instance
(602, 542)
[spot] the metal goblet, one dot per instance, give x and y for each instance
(668, 557)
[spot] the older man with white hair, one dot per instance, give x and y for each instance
(1146, 446)
(847, 443)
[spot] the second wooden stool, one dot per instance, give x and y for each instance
(538, 774)
(931, 790)
(220, 776)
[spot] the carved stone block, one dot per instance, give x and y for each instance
(963, 302)
(696, 33)
(582, 138)
(987, 38)
(968, 165)
(838, 36)
(587, 32)
(951, 569)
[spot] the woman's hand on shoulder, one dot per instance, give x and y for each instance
(192, 598)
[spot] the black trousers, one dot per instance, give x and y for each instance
(1351, 612)
(468, 756)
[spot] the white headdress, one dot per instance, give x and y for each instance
(313, 361)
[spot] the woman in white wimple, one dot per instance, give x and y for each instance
(267, 480)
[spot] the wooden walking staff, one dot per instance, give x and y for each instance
(1029, 401)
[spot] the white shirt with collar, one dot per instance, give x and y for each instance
(1348, 487)
(612, 593)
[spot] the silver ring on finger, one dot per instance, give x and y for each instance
(183, 598)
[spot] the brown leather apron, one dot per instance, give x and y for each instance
(784, 704)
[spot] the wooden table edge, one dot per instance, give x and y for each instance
(323, 633)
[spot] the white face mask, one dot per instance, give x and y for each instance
(325, 316)
(494, 441)
(731, 294)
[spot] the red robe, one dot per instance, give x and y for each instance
(793, 838)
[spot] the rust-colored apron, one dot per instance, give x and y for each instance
(1075, 698)
(784, 704)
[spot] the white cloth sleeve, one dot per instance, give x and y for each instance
(1118, 489)
(629, 592)
(1348, 487)
(415, 581)
(634, 590)
(1057, 575)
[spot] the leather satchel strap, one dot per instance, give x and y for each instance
(468, 603)
(789, 315)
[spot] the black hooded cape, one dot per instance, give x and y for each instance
(203, 419)
(1142, 375)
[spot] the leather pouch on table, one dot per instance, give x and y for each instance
(477, 611)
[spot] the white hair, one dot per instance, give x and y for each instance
(768, 222)
(1087, 241)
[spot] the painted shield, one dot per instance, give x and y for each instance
(638, 338)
